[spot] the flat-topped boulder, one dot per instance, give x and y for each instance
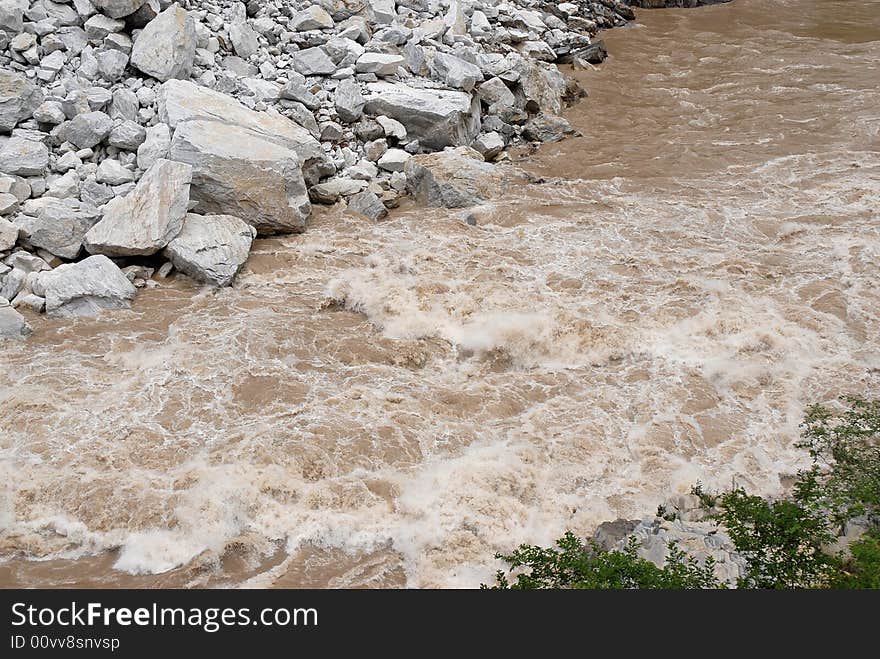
(21, 156)
(182, 101)
(436, 117)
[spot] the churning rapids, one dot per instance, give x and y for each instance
(388, 404)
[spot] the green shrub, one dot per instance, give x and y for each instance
(862, 570)
(845, 477)
(781, 541)
(576, 565)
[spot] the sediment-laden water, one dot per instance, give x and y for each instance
(390, 403)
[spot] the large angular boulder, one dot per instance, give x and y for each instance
(19, 97)
(312, 18)
(166, 47)
(382, 64)
(84, 288)
(20, 156)
(237, 172)
(211, 248)
(245, 41)
(145, 220)
(458, 178)
(12, 15)
(12, 324)
(437, 118)
(58, 225)
(181, 101)
(118, 8)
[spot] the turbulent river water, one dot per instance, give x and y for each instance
(388, 404)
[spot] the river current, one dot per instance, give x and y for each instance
(389, 404)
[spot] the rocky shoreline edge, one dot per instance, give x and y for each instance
(139, 137)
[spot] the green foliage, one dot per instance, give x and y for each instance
(862, 570)
(845, 448)
(781, 541)
(576, 565)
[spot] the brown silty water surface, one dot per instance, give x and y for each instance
(388, 404)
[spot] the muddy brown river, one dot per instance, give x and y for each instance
(388, 404)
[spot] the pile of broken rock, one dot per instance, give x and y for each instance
(141, 136)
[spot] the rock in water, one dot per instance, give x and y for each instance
(546, 128)
(330, 191)
(457, 178)
(368, 204)
(435, 117)
(236, 172)
(19, 98)
(181, 101)
(211, 248)
(12, 324)
(85, 288)
(148, 218)
(542, 86)
(165, 48)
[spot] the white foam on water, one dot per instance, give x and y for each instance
(434, 392)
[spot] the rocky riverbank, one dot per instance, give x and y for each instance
(686, 522)
(142, 136)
